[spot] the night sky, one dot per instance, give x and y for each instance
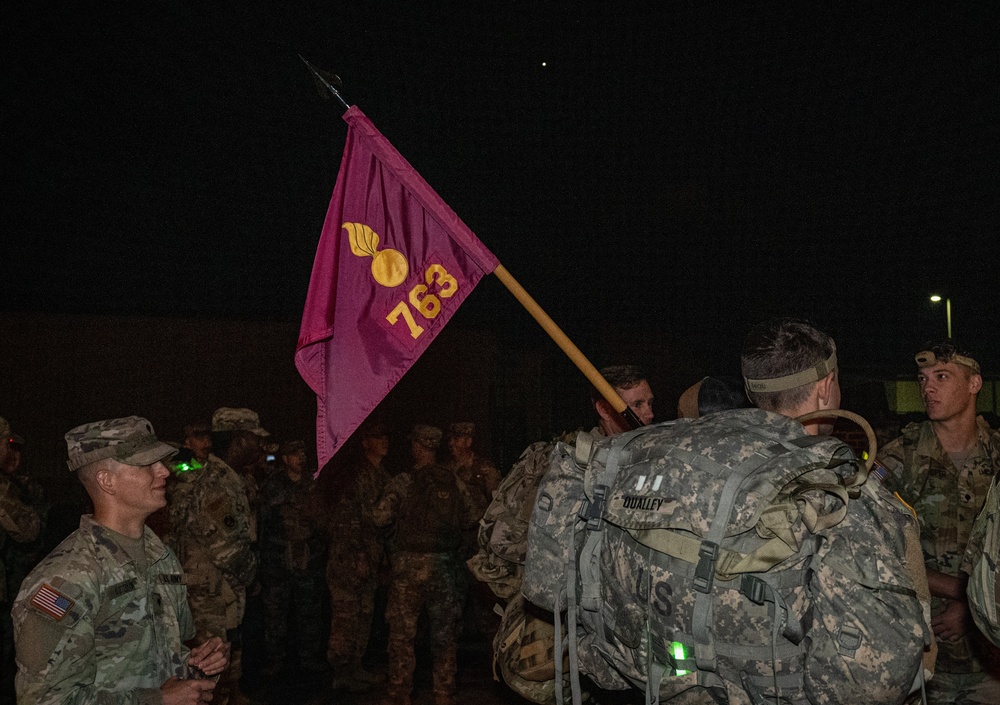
(680, 169)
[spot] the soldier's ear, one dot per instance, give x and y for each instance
(604, 409)
(611, 421)
(975, 383)
(105, 480)
(824, 391)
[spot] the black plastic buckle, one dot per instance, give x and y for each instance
(592, 512)
(753, 588)
(704, 574)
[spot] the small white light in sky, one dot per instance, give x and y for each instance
(545, 63)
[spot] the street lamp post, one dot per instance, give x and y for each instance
(947, 310)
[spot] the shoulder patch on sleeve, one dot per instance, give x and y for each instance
(50, 601)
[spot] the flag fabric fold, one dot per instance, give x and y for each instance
(393, 264)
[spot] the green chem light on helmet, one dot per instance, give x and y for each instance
(183, 462)
(679, 653)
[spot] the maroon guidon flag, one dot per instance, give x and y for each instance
(393, 264)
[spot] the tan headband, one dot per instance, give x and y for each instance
(927, 358)
(780, 384)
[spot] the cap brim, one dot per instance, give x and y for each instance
(148, 456)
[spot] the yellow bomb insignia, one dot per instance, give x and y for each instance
(389, 267)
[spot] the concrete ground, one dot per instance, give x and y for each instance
(475, 684)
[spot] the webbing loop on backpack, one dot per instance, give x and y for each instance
(728, 564)
(574, 657)
(704, 574)
(753, 588)
(736, 652)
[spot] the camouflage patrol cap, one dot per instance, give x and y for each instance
(428, 436)
(462, 428)
(229, 419)
(128, 440)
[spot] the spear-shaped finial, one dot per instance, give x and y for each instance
(325, 80)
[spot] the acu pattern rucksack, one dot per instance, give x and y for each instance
(524, 645)
(503, 530)
(730, 559)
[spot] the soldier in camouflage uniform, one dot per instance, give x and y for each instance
(292, 562)
(212, 532)
(104, 617)
(22, 524)
(982, 556)
(430, 509)
(478, 473)
(943, 467)
(696, 513)
(481, 479)
(632, 386)
(198, 439)
(356, 550)
(19, 520)
(239, 439)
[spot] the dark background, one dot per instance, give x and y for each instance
(659, 176)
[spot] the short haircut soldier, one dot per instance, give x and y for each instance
(781, 358)
(620, 377)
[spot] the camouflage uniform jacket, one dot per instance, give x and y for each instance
(351, 530)
(481, 479)
(20, 521)
(211, 523)
(251, 488)
(946, 501)
(291, 536)
(114, 635)
(431, 509)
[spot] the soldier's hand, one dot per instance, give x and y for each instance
(211, 657)
(187, 692)
(953, 623)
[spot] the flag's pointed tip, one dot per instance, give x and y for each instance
(325, 82)
(319, 73)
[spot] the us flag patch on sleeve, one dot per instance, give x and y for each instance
(52, 602)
